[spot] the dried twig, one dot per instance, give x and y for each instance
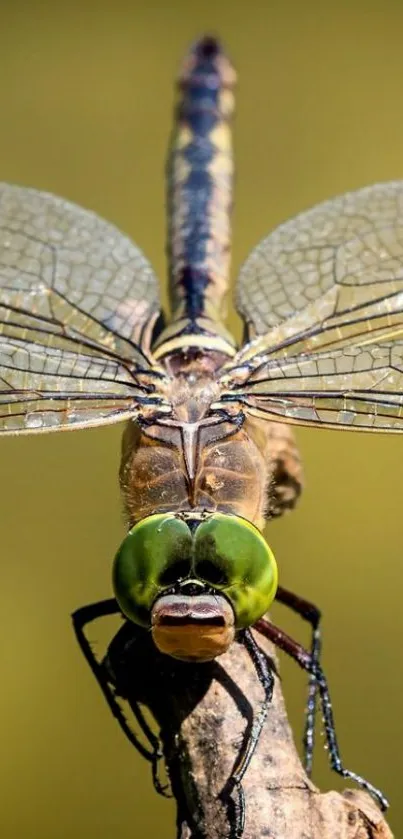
(204, 713)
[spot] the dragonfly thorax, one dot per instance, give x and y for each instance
(195, 458)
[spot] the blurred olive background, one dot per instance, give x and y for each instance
(86, 98)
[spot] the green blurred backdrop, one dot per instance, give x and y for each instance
(86, 97)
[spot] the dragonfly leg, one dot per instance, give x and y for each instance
(81, 617)
(265, 677)
(309, 612)
(237, 818)
(244, 758)
(304, 659)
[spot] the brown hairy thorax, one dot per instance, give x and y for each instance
(198, 459)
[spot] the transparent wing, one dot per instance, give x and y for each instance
(77, 305)
(357, 387)
(322, 298)
(73, 269)
(52, 388)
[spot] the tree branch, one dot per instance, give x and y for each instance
(204, 713)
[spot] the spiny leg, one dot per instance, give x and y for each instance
(309, 612)
(81, 617)
(304, 659)
(237, 817)
(265, 677)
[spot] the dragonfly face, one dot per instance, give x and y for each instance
(194, 580)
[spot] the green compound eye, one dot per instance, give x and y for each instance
(155, 553)
(226, 553)
(232, 555)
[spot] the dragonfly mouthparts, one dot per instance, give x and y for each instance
(196, 627)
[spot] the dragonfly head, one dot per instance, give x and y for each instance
(194, 579)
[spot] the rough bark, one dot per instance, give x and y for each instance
(204, 713)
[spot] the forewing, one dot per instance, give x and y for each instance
(322, 298)
(75, 270)
(77, 305)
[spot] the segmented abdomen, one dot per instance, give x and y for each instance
(200, 173)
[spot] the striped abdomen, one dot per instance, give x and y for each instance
(200, 171)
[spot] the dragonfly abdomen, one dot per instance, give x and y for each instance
(200, 170)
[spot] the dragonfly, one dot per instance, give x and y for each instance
(208, 454)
